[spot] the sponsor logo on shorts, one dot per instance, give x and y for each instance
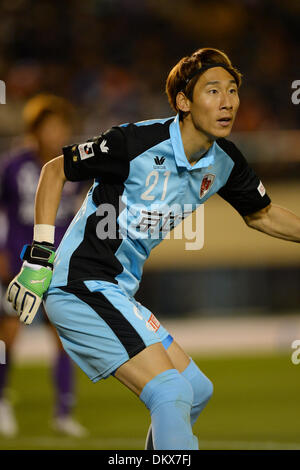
(153, 324)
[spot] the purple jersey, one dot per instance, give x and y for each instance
(19, 176)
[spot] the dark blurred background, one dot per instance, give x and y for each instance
(111, 58)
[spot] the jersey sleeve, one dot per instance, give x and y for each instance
(243, 189)
(104, 157)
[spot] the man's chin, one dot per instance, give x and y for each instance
(222, 133)
(215, 133)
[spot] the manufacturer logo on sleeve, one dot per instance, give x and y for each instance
(206, 184)
(103, 147)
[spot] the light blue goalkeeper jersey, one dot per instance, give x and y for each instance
(143, 187)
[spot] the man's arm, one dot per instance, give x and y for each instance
(26, 290)
(48, 194)
(275, 221)
(107, 156)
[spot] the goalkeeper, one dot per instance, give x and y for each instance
(140, 170)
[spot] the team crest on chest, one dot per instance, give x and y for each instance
(206, 184)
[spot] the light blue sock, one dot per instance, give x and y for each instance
(202, 392)
(202, 388)
(169, 397)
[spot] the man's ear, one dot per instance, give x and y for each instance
(182, 102)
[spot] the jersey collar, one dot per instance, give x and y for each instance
(180, 157)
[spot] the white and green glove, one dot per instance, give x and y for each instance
(26, 290)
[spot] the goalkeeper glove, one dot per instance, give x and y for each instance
(26, 290)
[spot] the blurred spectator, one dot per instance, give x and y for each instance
(47, 120)
(111, 55)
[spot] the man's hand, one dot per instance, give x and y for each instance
(26, 290)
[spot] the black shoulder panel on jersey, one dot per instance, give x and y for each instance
(143, 137)
(234, 153)
(243, 189)
(105, 156)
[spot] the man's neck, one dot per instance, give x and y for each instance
(195, 142)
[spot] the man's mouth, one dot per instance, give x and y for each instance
(225, 121)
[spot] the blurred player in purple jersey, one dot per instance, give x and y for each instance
(48, 124)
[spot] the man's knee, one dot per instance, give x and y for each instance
(205, 389)
(202, 386)
(169, 386)
(169, 398)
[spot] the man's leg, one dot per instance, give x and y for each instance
(103, 331)
(202, 386)
(165, 392)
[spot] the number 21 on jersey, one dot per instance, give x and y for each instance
(151, 182)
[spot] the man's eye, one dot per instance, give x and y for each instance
(233, 90)
(213, 90)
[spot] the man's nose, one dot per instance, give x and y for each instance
(226, 102)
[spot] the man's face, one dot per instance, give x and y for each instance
(215, 103)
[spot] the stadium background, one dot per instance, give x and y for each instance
(234, 304)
